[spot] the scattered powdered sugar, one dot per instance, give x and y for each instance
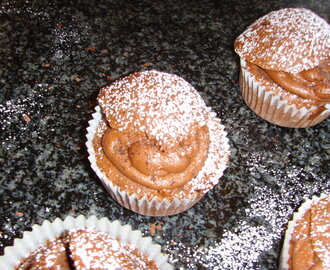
(162, 105)
(65, 36)
(291, 40)
(232, 251)
(235, 247)
(11, 7)
(11, 111)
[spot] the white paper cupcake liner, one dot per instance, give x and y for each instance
(306, 205)
(142, 206)
(272, 108)
(31, 240)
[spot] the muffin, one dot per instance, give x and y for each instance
(285, 67)
(307, 239)
(80, 243)
(154, 144)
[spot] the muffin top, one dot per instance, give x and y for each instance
(289, 40)
(160, 105)
(93, 249)
(86, 248)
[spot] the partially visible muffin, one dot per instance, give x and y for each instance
(285, 67)
(52, 255)
(155, 145)
(83, 243)
(86, 248)
(307, 239)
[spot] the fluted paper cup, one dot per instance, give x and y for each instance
(31, 240)
(145, 206)
(266, 104)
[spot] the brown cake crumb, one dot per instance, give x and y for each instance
(26, 118)
(154, 227)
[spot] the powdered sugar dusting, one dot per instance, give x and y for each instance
(94, 249)
(291, 40)
(47, 257)
(320, 231)
(162, 105)
(216, 161)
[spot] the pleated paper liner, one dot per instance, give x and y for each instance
(272, 108)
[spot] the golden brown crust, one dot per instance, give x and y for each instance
(289, 40)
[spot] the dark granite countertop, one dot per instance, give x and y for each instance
(55, 55)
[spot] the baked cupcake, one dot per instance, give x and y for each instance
(154, 144)
(285, 67)
(307, 239)
(80, 243)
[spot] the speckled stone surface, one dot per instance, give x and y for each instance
(55, 55)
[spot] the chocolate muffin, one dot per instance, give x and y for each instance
(307, 239)
(285, 67)
(154, 144)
